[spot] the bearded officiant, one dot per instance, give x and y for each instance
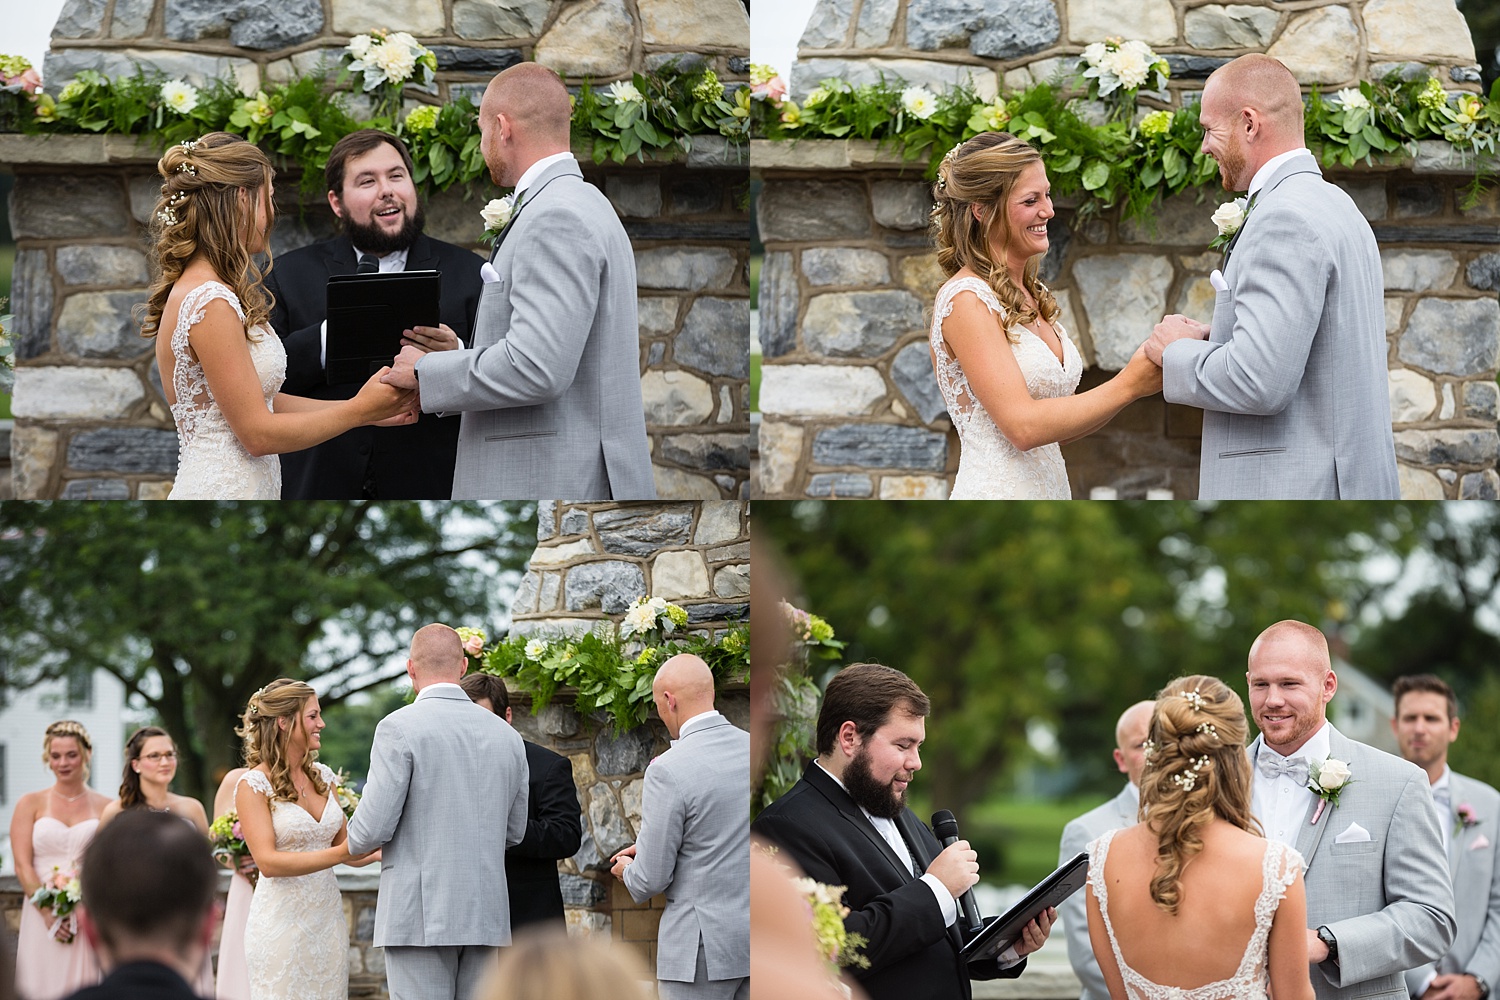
(371, 191)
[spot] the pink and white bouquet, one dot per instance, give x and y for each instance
(60, 892)
(228, 842)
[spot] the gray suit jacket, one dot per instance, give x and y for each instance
(1472, 856)
(1387, 899)
(1292, 379)
(694, 845)
(447, 794)
(551, 391)
(1118, 813)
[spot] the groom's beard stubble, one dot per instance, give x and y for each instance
(875, 797)
(372, 239)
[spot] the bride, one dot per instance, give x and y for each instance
(223, 365)
(1006, 366)
(296, 939)
(1193, 903)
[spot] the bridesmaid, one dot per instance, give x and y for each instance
(234, 978)
(52, 827)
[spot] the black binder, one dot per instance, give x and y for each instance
(1005, 930)
(367, 314)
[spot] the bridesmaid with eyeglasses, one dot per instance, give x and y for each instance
(150, 765)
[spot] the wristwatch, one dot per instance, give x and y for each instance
(1484, 987)
(1326, 936)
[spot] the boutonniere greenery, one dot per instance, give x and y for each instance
(1464, 817)
(1228, 217)
(1327, 779)
(496, 216)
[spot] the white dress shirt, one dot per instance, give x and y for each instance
(1271, 166)
(1280, 803)
(1442, 806)
(393, 261)
(531, 173)
(440, 684)
(696, 723)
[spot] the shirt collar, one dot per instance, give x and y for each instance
(1443, 781)
(1316, 748)
(529, 176)
(696, 723)
(1135, 793)
(1271, 166)
(393, 261)
(429, 689)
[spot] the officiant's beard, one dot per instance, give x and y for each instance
(870, 794)
(373, 239)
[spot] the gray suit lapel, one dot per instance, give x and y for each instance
(1125, 805)
(1296, 165)
(1456, 796)
(1312, 833)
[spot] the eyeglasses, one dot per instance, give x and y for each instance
(157, 758)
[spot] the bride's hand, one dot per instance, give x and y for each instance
(386, 405)
(1142, 374)
(360, 860)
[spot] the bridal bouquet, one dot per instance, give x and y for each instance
(60, 892)
(348, 797)
(652, 617)
(228, 843)
(389, 60)
(19, 83)
(7, 352)
(473, 640)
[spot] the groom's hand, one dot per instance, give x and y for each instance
(431, 338)
(621, 861)
(1454, 986)
(403, 373)
(1317, 951)
(1171, 329)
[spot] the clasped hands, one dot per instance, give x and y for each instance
(402, 374)
(1171, 329)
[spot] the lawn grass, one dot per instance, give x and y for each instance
(755, 383)
(755, 281)
(1017, 838)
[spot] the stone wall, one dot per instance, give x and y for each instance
(849, 404)
(91, 420)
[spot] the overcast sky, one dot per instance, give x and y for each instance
(28, 26)
(775, 26)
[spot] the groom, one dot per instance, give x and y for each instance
(1378, 897)
(446, 796)
(551, 392)
(1292, 376)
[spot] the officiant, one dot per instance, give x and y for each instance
(846, 823)
(371, 191)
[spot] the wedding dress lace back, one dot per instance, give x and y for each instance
(296, 940)
(1251, 980)
(989, 466)
(211, 462)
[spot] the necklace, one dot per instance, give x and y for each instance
(69, 798)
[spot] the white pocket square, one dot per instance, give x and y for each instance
(1355, 834)
(487, 273)
(1480, 844)
(1217, 280)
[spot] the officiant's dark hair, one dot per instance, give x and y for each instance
(866, 694)
(481, 685)
(358, 144)
(1429, 684)
(1196, 770)
(148, 877)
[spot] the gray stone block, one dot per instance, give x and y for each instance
(80, 19)
(574, 522)
(1059, 236)
(63, 205)
(881, 446)
(96, 489)
(588, 851)
(474, 60)
(472, 91)
(627, 753)
(546, 519)
(991, 31)
(295, 231)
(739, 65)
(482, 19)
(828, 26)
(860, 324)
(694, 196)
(551, 587)
(1482, 401)
(248, 24)
(642, 530)
(31, 301)
(580, 891)
(558, 720)
(1484, 272)
(524, 601)
(1418, 199)
(1458, 446)
(637, 195)
(609, 585)
(655, 353)
(687, 62)
(780, 299)
(790, 211)
(364, 926)
(901, 204)
(708, 451)
(1192, 67)
(100, 325)
(876, 19)
(1452, 336)
(102, 265)
(131, 18)
(610, 830)
(840, 485)
(690, 268)
(912, 373)
(843, 266)
(715, 337)
(1465, 74)
(699, 613)
(124, 449)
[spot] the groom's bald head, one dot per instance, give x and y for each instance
(437, 656)
(1251, 112)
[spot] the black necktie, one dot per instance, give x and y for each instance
(368, 264)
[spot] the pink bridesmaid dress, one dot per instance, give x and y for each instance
(45, 968)
(234, 977)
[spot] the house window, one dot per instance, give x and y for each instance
(81, 688)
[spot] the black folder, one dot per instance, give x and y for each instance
(367, 314)
(1003, 931)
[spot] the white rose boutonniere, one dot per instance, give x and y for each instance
(1228, 218)
(496, 216)
(1327, 779)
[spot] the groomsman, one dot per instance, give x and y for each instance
(846, 823)
(1378, 897)
(1468, 814)
(694, 841)
(1117, 813)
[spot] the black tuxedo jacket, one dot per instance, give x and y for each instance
(138, 981)
(913, 956)
(554, 829)
(399, 463)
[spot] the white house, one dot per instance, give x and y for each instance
(97, 700)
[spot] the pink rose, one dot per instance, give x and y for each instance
(234, 831)
(772, 90)
(474, 646)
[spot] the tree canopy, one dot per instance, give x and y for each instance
(194, 606)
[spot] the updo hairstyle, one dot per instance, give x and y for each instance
(266, 742)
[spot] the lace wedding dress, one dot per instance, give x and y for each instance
(1252, 979)
(989, 466)
(211, 462)
(296, 940)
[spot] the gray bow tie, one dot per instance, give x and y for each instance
(1273, 765)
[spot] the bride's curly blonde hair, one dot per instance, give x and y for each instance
(203, 212)
(265, 741)
(1196, 770)
(983, 171)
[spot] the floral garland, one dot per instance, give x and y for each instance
(793, 741)
(1134, 157)
(657, 113)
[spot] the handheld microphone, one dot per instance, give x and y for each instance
(946, 829)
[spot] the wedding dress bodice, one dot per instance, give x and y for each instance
(296, 940)
(989, 466)
(212, 464)
(1251, 980)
